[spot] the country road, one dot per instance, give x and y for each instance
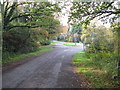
(53, 69)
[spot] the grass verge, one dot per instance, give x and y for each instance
(70, 44)
(98, 72)
(22, 56)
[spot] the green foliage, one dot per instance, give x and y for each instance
(45, 43)
(99, 68)
(102, 55)
(100, 41)
(27, 26)
(84, 12)
(70, 44)
(98, 38)
(11, 56)
(61, 37)
(116, 30)
(76, 28)
(29, 16)
(19, 40)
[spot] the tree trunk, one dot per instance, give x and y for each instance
(118, 52)
(1, 27)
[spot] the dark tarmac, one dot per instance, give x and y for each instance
(53, 69)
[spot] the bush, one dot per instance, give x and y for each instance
(19, 40)
(99, 68)
(45, 43)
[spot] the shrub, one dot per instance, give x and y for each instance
(45, 43)
(19, 40)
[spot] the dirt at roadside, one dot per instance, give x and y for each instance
(83, 80)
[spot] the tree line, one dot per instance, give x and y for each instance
(102, 42)
(28, 25)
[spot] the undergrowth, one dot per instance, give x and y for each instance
(8, 57)
(99, 68)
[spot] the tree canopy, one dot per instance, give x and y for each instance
(29, 14)
(108, 12)
(83, 12)
(28, 25)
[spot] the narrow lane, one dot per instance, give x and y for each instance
(53, 69)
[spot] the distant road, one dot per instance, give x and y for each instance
(53, 69)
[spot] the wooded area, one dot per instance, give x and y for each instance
(27, 26)
(103, 44)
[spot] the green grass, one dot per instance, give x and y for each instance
(54, 42)
(22, 56)
(66, 43)
(70, 44)
(98, 72)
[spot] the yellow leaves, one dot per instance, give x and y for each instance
(116, 27)
(97, 71)
(115, 24)
(41, 30)
(85, 33)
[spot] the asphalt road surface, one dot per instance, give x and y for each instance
(53, 69)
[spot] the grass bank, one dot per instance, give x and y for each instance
(98, 72)
(66, 43)
(17, 56)
(70, 44)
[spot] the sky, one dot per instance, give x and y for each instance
(65, 12)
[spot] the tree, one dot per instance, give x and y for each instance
(116, 29)
(84, 12)
(31, 12)
(8, 14)
(30, 16)
(75, 31)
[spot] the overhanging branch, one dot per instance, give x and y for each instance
(18, 17)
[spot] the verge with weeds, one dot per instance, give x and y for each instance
(10, 57)
(70, 44)
(98, 70)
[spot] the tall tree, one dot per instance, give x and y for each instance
(84, 12)
(35, 11)
(75, 31)
(19, 17)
